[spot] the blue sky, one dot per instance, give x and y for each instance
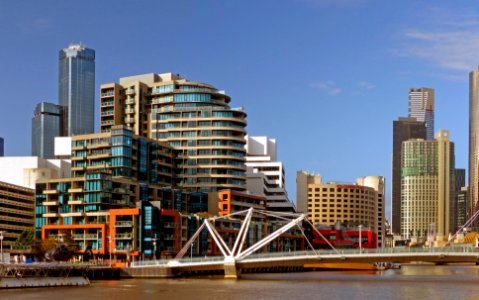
(326, 78)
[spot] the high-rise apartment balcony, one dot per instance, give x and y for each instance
(123, 236)
(123, 224)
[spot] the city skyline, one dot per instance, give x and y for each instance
(294, 70)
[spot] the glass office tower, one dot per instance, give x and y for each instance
(77, 89)
(46, 125)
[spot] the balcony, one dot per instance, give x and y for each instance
(123, 224)
(169, 225)
(170, 237)
(108, 94)
(123, 236)
(50, 215)
(75, 190)
(107, 103)
(50, 203)
(130, 92)
(75, 202)
(107, 113)
(130, 101)
(89, 236)
(108, 122)
(50, 192)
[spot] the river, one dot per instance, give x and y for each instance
(411, 282)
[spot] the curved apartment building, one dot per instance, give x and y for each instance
(331, 203)
(194, 118)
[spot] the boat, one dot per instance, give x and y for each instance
(349, 266)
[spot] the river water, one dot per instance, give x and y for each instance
(411, 282)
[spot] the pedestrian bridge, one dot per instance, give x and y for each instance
(295, 261)
(235, 259)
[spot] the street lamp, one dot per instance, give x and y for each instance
(1, 244)
(360, 239)
(154, 247)
(109, 248)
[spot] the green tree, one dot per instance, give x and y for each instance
(25, 239)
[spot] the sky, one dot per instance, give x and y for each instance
(325, 78)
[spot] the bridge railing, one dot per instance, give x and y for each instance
(310, 253)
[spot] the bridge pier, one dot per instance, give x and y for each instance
(231, 272)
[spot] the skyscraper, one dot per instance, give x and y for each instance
(473, 195)
(428, 200)
(77, 88)
(194, 118)
(403, 130)
(421, 107)
(461, 195)
(46, 125)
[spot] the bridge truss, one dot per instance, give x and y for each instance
(237, 252)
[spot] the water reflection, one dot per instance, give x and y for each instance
(410, 282)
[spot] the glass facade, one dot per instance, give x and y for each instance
(46, 125)
(77, 88)
(194, 118)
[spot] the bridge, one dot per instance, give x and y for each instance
(236, 260)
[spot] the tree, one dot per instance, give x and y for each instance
(25, 239)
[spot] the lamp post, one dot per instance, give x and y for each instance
(191, 251)
(360, 239)
(109, 248)
(1, 244)
(154, 247)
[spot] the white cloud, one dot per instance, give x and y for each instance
(365, 85)
(35, 25)
(328, 87)
(452, 43)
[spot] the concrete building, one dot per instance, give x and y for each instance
(63, 147)
(76, 89)
(378, 183)
(361, 203)
(461, 206)
(403, 130)
(117, 179)
(46, 125)
(264, 175)
(330, 203)
(459, 186)
(473, 200)
(17, 212)
(303, 179)
(194, 118)
(25, 170)
(421, 107)
(428, 202)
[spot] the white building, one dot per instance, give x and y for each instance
(264, 175)
(378, 183)
(25, 170)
